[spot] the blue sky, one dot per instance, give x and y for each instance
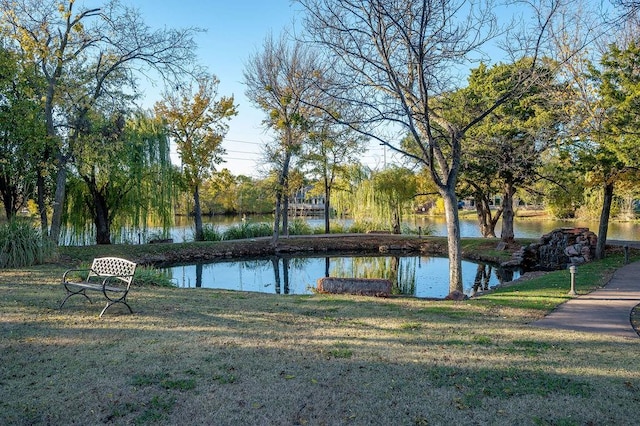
(234, 31)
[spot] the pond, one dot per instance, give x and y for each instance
(417, 276)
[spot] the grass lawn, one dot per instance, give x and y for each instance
(198, 356)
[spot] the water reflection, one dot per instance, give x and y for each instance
(419, 276)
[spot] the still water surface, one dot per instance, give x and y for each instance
(418, 276)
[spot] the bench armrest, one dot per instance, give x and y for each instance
(64, 276)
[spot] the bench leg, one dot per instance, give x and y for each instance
(72, 293)
(110, 303)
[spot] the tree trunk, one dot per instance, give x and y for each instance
(396, 222)
(276, 224)
(281, 195)
(486, 224)
(604, 220)
(101, 218)
(285, 208)
(197, 213)
(508, 214)
(453, 239)
(58, 199)
(42, 208)
(7, 197)
(327, 207)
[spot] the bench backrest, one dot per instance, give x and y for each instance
(116, 267)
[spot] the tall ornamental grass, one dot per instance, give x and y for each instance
(21, 244)
(248, 230)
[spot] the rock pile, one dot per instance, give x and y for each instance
(557, 250)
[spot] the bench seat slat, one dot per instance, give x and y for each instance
(98, 287)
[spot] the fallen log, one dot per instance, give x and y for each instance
(358, 286)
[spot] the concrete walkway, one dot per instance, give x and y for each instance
(606, 310)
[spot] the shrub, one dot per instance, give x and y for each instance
(248, 230)
(337, 228)
(21, 244)
(150, 276)
(211, 233)
(300, 227)
(366, 226)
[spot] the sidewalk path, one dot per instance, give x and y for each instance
(606, 310)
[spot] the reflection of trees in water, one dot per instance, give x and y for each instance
(483, 276)
(400, 271)
(505, 275)
(287, 264)
(199, 269)
(405, 282)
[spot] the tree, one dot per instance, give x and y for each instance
(219, 192)
(395, 189)
(504, 152)
(122, 172)
(85, 56)
(22, 134)
(277, 80)
(618, 151)
(330, 151)
(197, 122)
(395, 59)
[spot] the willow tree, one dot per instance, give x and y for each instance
(198, 122)
(86, 55)
(278, 78)
(394, 191)
(395, 59)
(123, 175)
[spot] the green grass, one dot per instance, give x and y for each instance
(211, 357)
(546, 292)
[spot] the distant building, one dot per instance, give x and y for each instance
(304, 204)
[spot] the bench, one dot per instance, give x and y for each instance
(111, 276)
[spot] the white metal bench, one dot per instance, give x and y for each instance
(110, 275)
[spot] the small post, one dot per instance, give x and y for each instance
(572, 271)
(419, 231)
(626, 255)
